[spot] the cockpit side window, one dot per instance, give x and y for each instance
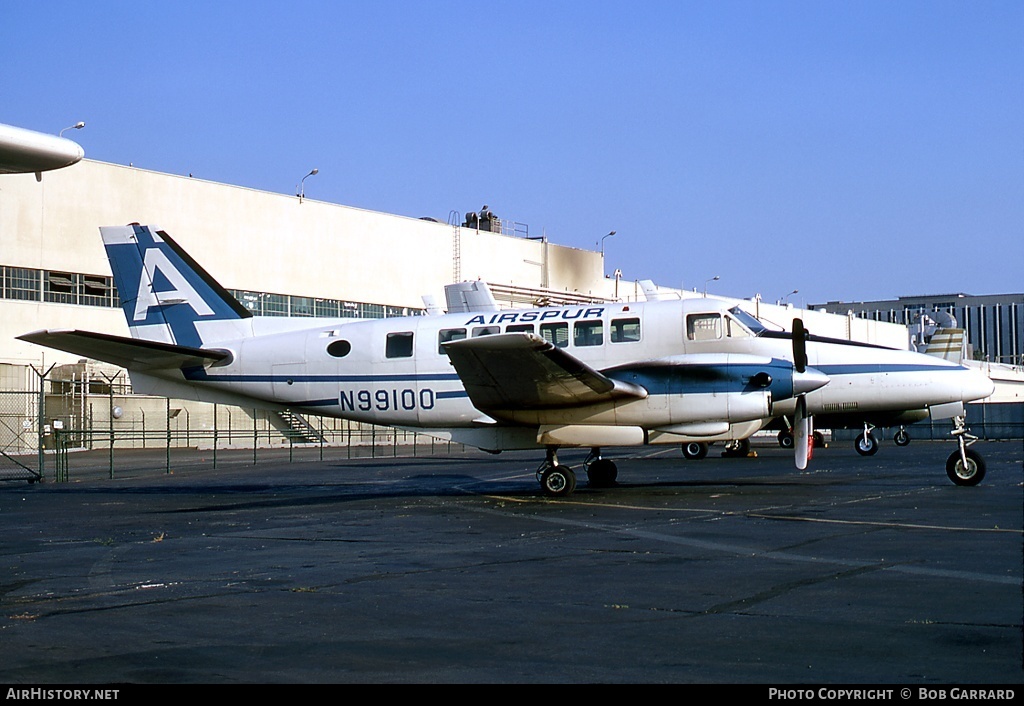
(748, 320)
(704, 327)
(733, 329)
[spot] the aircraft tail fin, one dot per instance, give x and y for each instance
(653, 293)
(165, 294)
(947, 343)
(469, 296)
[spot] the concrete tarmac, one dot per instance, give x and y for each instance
(458, 570)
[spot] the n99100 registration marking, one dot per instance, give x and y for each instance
(386, 399)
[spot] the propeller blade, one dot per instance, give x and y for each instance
(803, 430)
(799, 345)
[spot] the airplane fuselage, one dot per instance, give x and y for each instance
(396, 371)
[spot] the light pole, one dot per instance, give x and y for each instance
(301, 190)
(713, 279)
(77, 126)
(783, 300)
(602, 242)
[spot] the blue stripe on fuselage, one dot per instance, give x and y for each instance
(869, 368)
(202, 375)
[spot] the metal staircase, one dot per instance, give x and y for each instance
(296, 428)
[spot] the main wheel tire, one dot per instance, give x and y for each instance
(786, 439)
(695, 450)
(737, 449)
(866, 447)
(602, 473)
(558, 481)
(901, 438)
(819, 440)
(971, 474)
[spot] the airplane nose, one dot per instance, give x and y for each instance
(977, 385)
(809, 380)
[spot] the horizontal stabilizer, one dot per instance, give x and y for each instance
(129, 353)
(519, 371)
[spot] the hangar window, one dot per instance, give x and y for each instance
(704, 327)
(557, 334)
(61, 287)
(95, 290)
(21, 283)
(339, 349)
(399, 345)
(449, 334)
(302, 306)
(625, 330)
(588, 333)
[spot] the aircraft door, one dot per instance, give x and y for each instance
(287, 380)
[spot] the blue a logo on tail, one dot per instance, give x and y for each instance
(164, 292)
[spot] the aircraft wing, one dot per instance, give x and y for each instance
(130, 353)
(523, 371)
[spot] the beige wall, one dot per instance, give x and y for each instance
(254, 240)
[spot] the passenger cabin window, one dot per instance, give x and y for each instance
(519, 328)
(625, 330)
(588, 333)
(556, 334)
(704, 327)
(486, 331)
(399, 345)
(449, 334)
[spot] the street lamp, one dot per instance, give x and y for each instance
(713, 279)
(300, 191)
(602, 242)
(77, 126)
(783, 300)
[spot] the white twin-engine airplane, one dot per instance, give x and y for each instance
(614, 374)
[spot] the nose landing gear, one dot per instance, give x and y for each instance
(964, 466)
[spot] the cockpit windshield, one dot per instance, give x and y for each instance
(755, 326)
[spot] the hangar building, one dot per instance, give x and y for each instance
(279, 255)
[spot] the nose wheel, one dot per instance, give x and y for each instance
(965, 466)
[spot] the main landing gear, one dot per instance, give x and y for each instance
(866, 443)
(786, 441)
(964, 466)
(559, 481)
(696, 450)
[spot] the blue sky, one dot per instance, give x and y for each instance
(851, 150)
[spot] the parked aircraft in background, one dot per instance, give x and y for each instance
(27, 151)
(592, 376)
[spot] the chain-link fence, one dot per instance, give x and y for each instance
(84, 418)
(89, 419)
